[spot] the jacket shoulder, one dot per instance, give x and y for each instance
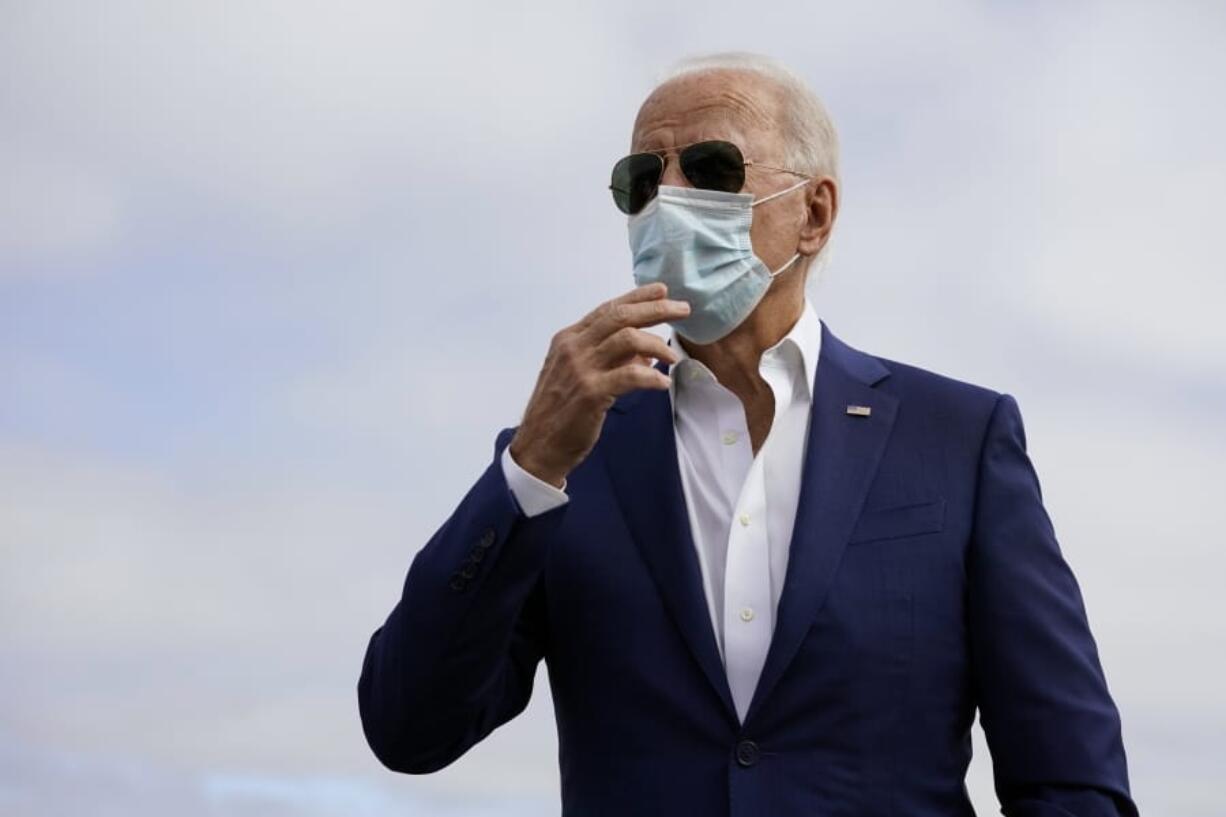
(916, 385)
(946, 401)
(940, 406)
(908, 379)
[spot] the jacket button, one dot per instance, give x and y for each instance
(468, 571)
(747, 753)
(476, 555)
(487, 538)
(458, 583)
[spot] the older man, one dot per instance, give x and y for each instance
(770, 574)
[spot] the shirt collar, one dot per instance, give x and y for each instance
(805, 335)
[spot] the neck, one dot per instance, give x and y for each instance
(734, 358)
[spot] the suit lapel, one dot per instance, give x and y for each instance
(640, 452)
(841, 458)
(842, 454)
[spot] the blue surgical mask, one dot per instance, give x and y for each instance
(697, 242)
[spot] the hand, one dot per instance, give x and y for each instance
(589, 364)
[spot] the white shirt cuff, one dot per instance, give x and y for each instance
(534, 495)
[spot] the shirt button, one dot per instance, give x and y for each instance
(744, 520)
(730, 437)
(746, 614)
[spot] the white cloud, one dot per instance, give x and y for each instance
(52, 211)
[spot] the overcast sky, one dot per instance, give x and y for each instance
(274, 274)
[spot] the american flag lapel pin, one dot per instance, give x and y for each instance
(860, 411)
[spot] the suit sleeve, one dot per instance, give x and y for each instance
(1053, 731)
(458, 653)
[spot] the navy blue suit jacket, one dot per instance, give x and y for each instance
(924, 580)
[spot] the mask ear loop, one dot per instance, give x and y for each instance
(800, 183)
(785, 266)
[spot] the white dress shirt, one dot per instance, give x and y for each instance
(741, 507)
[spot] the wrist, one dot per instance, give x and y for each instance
(524, 459)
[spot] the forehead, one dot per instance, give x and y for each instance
(734, 105)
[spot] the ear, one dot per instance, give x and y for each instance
(822, 206)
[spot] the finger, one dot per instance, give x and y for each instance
(630, 342)
(632, 376)
(646, 292)
(641, 314)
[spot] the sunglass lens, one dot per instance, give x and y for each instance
(635, 179)
(714, 165)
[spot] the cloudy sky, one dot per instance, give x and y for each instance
(273, 275)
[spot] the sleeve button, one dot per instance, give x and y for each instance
(487, 538)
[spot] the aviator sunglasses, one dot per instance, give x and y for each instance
(710, 165)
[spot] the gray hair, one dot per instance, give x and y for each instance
(812, 144)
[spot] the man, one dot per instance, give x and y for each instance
(770, 574)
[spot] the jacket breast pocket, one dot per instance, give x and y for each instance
(897, 521)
